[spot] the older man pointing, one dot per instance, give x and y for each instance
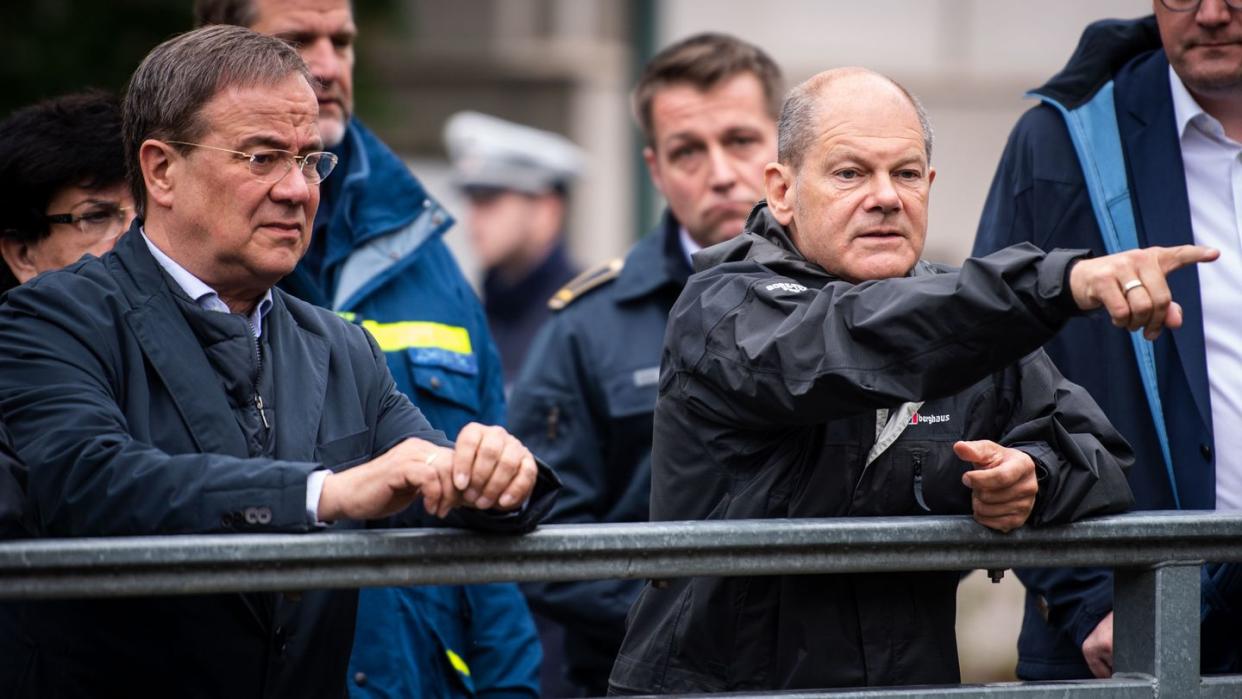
(817, 367)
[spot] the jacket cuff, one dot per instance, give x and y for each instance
(1046, 464)
(1054, 278)
(1096, 603)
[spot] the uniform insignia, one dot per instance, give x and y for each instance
(592, 278)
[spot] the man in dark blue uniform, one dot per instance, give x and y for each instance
(584, 401)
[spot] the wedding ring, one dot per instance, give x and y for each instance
(1131, 286)
(431, 458)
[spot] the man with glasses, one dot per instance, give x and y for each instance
(62, 184)
(1155, 107)
(168, 388)
(378, 257)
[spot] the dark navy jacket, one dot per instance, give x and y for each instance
(584, 403)
(112, 392)
(379, 259)
(1038, 195)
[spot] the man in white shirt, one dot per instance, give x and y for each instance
(1176, 81)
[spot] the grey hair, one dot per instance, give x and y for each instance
(167, 93)
(800, 114)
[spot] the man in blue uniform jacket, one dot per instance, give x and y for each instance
(168, 388)
(1175, 119)
(707, 106)
(377, 257)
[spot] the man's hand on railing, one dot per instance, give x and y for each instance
(1003, 483)
(1131, 285)
(1097, 648)
(487, 467)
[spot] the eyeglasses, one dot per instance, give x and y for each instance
(1191, 5)
(272, 165)
(100, 221)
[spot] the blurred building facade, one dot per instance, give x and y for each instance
(566, 66)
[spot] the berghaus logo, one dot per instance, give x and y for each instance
(921, 419)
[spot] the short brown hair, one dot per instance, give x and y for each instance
(704, 61)
(168, 91)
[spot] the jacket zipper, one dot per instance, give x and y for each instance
(918, 481)
(258, 399)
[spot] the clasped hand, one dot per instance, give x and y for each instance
(1003, 483)
(487, 467)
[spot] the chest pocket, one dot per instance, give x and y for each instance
(630, 393)
(445, 376)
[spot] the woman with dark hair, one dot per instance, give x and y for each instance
(62, 184)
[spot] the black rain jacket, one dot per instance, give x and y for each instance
(772, 375)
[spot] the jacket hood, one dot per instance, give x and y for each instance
(1104, 48)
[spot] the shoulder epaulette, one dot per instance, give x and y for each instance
(594, 277)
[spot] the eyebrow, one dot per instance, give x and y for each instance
(276, 143)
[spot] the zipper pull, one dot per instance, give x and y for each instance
(258, 405)
(918, 481)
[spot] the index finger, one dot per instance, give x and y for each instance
(1179, 256)
(467, 445)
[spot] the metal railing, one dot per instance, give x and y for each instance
(1156, 557)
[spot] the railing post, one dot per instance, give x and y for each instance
(1156, 626)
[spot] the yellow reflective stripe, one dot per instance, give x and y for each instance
(393, 337)
(457, 663)
(348, 315)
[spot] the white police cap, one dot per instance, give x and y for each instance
(488, 152)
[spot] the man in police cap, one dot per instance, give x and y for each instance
(516, 180)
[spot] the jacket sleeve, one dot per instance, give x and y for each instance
(785, 354)
(552, 412)
(1080, 458)
(59, 393)
(1077, 599)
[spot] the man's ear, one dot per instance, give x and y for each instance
(16, 254)
(782, 192)
(160, 166)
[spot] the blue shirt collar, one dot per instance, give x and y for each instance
(203, 295)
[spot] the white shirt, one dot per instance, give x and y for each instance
(1213, 164)
(688, 246)
(209, 300)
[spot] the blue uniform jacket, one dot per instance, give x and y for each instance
(1038, 195)
(584, 402)
(383, 263)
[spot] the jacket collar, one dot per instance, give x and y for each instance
(174, 353)
(1153, 152)
(377, 194)
(1105, 47)
(656, 262)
